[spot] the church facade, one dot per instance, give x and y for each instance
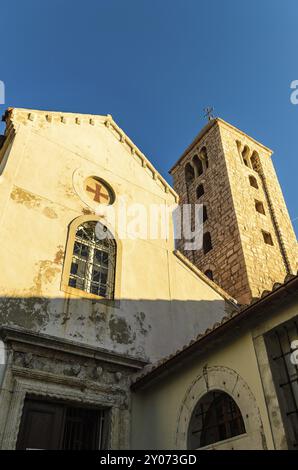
(87, 311)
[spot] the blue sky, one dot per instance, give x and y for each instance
(154, 64)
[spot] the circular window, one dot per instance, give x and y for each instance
(99, 191)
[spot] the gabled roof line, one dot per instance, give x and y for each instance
(108, 121)
(144, 160)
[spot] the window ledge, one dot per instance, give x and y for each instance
(89, 296)
(223, 444)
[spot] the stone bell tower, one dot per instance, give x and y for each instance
(248, 242)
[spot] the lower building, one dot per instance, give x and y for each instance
(233, 388)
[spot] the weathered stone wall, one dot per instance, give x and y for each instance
(265, 264)
(242, 264)
(226, 259)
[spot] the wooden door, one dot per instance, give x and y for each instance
(41, 426)
(59, 426)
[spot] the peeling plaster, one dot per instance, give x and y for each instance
(20, 196)
(120, 331)
(59, 255)
(50, 213)
(30, 313)
(142, 323)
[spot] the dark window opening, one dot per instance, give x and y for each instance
(245, 156)
(198, 165)
(205, 215)
(259, 207)
(215, 418)
(209, 274)
(207, 243)
(253, 182)
(255, 162)
(189, 173)
(200, 191)
(267, 238)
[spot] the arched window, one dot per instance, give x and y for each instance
(215, 418)
(93, 261)
(253, 182)
(198, 165)
(200, 191)
(209, 274)
(189, 173)
(207, 243)
(204, 156)
(255, 162)
(259, 207)
(245, 156)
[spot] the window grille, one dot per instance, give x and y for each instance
(93, 261)
(216, 417)
(285, 375)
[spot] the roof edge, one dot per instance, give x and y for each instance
(166, 365)
(109, 122)
(206, 279)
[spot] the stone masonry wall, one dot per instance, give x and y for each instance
(265, 264)
(226, 259)
(241, 262)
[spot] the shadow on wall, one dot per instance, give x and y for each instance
(144, 329)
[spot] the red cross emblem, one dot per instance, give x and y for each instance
(98, 192)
